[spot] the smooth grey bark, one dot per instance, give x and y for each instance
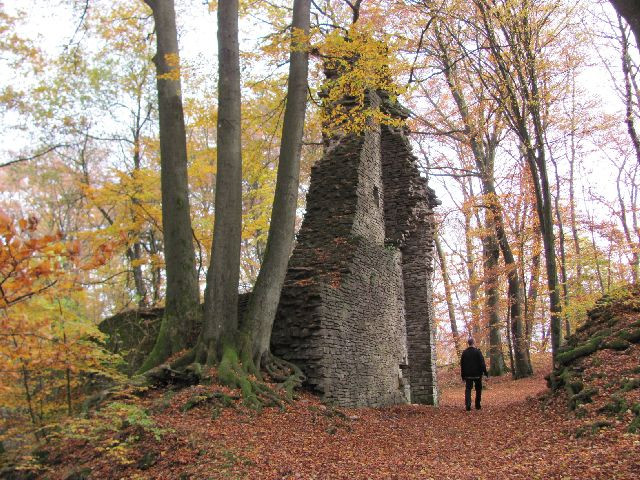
(261, 310)
(628, 75)
(491, 256)
(447, 293)
(474, 281)
(563, 255)
(134, 253)
(633, 246)
(220, 322)
(182, 295)
(532, 295)
(572, 201)
(510, 343)
(630, 11)
(594, 245)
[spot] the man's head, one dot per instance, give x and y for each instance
(471, 341)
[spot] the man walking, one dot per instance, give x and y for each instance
(472, 367)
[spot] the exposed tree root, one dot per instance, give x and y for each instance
(166, 375)
(287, 374)
(235, 373)
(218, 399)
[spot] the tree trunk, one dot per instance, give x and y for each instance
(543, 206)
(447, 293)
(516, 85)
(484, 156)
(634, 262)
(510, 343)
(474, 282)
(134, 253)
(594, 245)
(563, 256)
(178, 325)
(491, 254)
(630, 11)
(220, 321)
(522, 361)
(261, 311)
(572, 202)
(532, 296)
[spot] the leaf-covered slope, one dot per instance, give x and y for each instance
(599, 367)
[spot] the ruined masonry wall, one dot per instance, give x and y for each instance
(409, 206)
(355, 308)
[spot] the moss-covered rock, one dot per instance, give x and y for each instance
(592, 428)
(582, 350)
(133, 333)
(616, 344)
(632, 336)
(615, 406)
(585, 396)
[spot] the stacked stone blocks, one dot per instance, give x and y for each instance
(356, 309)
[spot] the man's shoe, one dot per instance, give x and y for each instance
(478, 407)
(468, 409)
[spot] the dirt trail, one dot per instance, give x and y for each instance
(515, 436)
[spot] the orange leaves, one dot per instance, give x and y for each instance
(515, 436)
(46, 341)
(28, 263)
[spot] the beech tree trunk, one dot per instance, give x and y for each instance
(181, 311)
(491, 255)
(261, 311)
(563, 256)
(516, 85)
(532, 296)
(474, 281)
(447, 293)
(220, 322)
(630, 11)
(483, 143)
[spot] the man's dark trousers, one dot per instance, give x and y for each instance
(470, 382)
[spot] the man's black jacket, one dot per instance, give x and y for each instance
(472, 364)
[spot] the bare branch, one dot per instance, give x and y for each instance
(33, 157)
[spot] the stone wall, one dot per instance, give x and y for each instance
(410, 226)
(355, 311)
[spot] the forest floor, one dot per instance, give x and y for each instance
(522, 432)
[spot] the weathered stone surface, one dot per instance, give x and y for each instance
(356, 309)
(132, 333)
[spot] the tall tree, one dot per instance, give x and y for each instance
(182, 294)
(513, 36)
(480, 132)
(442, 261)
(221, 293)
(630, 11)
(261, 311)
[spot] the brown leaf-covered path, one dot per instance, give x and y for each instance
(517, 435)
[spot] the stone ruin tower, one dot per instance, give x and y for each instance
(356, 309)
